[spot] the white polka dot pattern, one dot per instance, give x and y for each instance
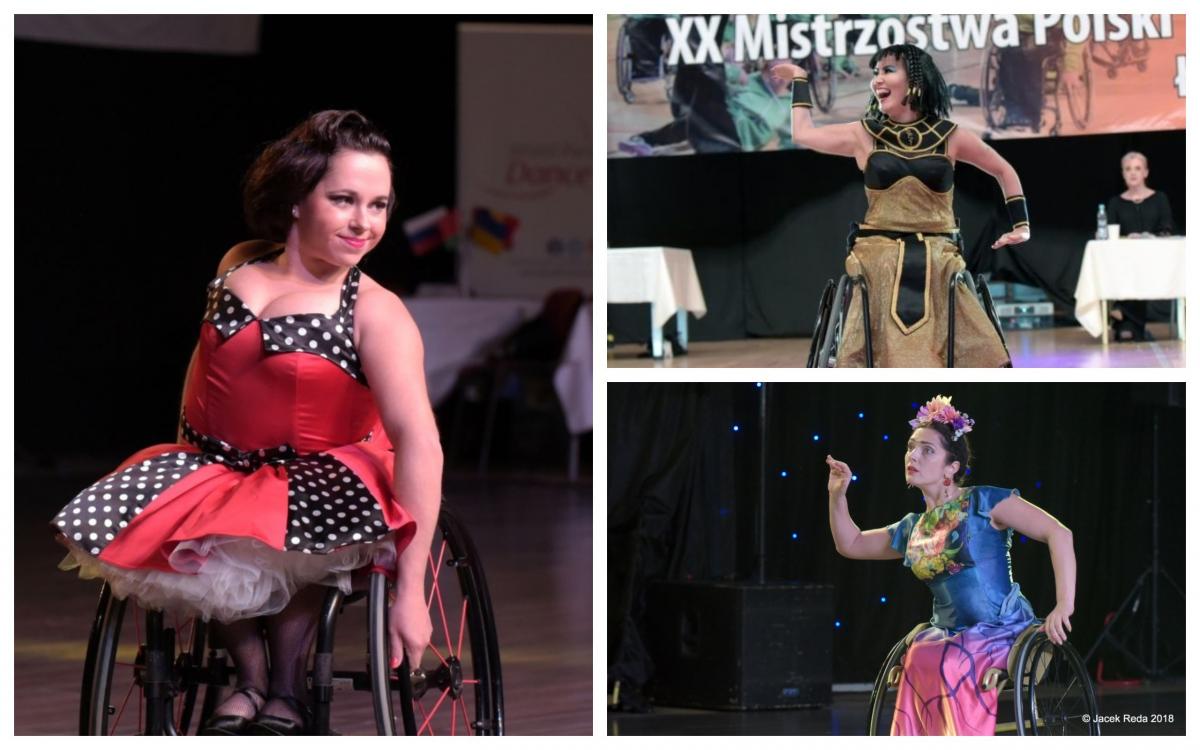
(328, 507)
(330, 337)
(96, 515)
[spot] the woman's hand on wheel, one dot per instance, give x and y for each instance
(409, 628)
(1058, 624)
(839, 476)
(787, 71)
(1015, 237)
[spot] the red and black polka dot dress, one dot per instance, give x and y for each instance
(285, 478)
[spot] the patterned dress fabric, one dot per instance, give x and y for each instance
(284, 478)
(978, 612)
(910, 196)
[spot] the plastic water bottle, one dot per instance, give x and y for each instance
(1101, 224)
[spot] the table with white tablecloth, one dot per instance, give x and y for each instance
(663, 276)
(1130, 269)
(573, 383)
(458, 332)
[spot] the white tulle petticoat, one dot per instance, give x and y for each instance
(231, 578)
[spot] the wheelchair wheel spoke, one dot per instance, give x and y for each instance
(462, 627)
(426, 717)
(434, 567)
(1062, 696)
(445, 623)
(121, 712)
(455, 696)
(433, 712)
(466, 718)
(439, 655)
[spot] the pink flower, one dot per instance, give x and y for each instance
(938, 409)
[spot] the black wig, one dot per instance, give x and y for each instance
(931, 97)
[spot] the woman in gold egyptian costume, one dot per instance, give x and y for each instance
(907, 248)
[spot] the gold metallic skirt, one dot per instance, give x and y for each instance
(901, 337)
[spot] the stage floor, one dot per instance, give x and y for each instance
(848, 716)
(1048, 347)
(535, 538)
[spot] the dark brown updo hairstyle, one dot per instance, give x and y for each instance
(288, 169)
(959, 450)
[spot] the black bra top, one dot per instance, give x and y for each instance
(915, 149)
(885, 169)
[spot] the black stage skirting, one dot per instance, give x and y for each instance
(767, 230)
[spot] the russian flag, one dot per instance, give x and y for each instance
(492, 230)
(431, 230)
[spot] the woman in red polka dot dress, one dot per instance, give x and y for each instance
(307, 446)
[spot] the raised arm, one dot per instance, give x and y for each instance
(393, 360)
(849, 540)
(1026, 518)
(843, 139)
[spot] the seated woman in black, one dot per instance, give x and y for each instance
(1141, 212)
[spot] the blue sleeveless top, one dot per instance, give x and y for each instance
(964, 560)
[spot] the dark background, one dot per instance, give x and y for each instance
(767, 230)
(128, 192)
(683, 491)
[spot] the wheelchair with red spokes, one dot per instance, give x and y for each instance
(145, 670)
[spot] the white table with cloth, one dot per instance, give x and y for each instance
(1130, 269)
(458, 331)
(461, 331)
(663, 276)
(573, 383)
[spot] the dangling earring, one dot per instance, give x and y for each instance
(946, 481)
(295, 212)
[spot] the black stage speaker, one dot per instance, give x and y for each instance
(739, 645)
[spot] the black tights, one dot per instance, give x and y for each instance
(276, 665)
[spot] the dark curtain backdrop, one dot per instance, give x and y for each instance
(767, 230)
(127, 181)
(683, 491)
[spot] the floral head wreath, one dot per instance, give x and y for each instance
(938, 409)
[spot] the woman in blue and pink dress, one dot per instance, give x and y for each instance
(960, 548)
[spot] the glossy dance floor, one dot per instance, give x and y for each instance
(1154, 709)
(535, 539)
(1051, 347)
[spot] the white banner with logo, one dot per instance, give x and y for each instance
(524, 158)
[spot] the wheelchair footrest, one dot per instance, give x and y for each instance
(994, 679)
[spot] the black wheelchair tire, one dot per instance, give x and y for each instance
(1025, 687)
